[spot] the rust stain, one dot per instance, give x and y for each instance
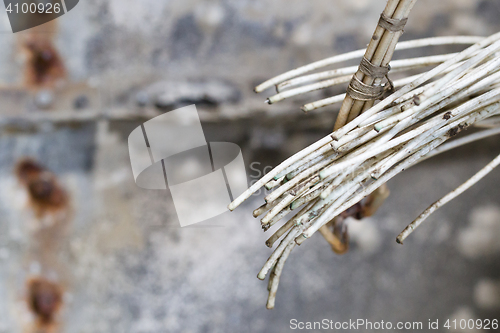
(50, 203)
(46, 195)
(44, 300)
(44, 66)
(447, 115)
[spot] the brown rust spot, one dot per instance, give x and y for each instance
(452, 132)
(44, 300)
(45, 193)
(26, 169)
(447, 115)
(416, 100)
(455, 130)
(44, 67)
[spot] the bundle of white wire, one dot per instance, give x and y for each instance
(406, 127)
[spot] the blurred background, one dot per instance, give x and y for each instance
(83, 249)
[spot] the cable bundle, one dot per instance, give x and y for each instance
(344, 173)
